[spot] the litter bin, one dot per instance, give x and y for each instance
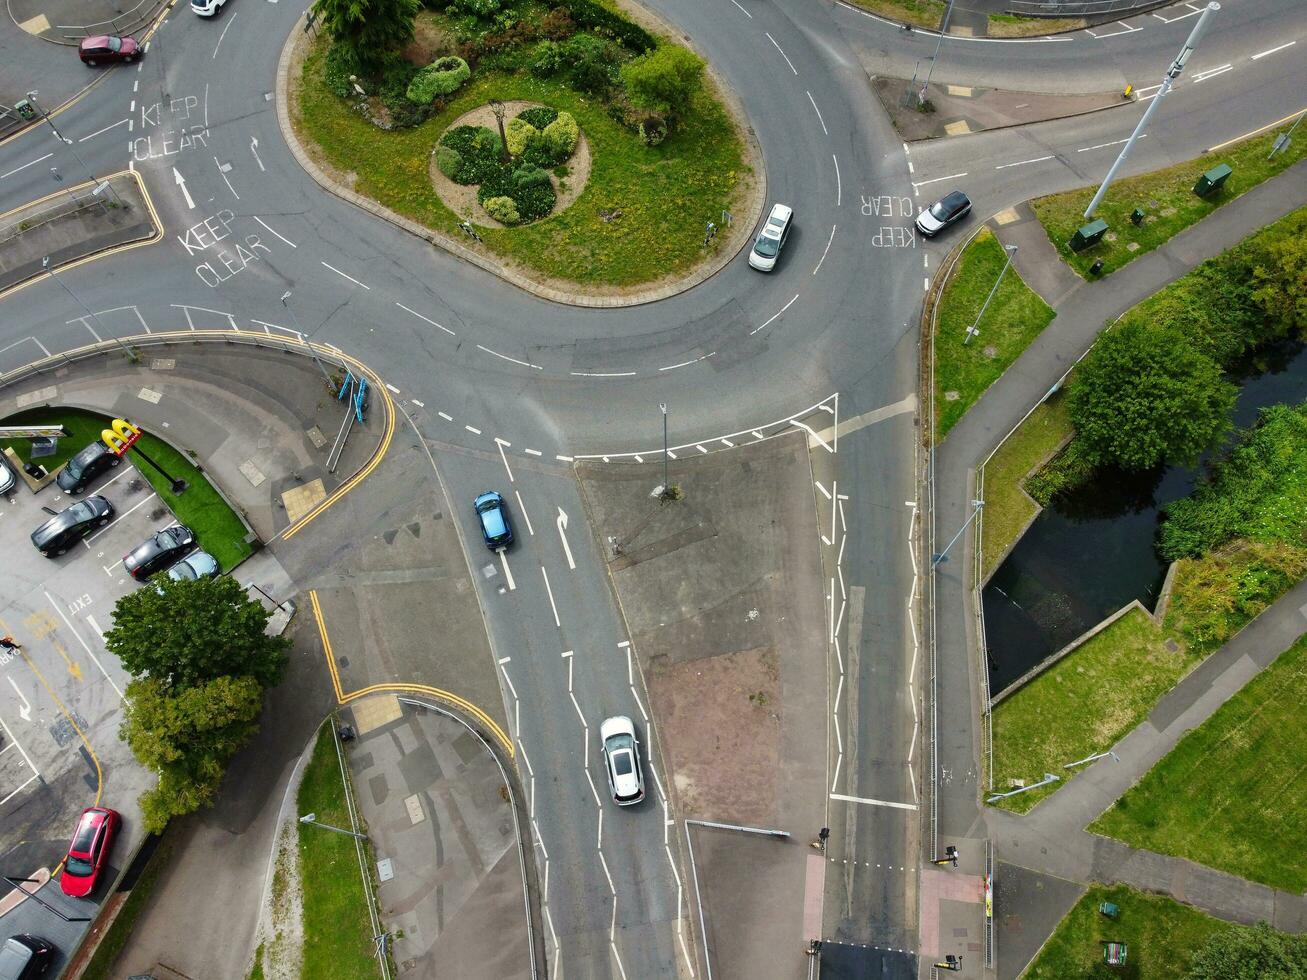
(1212, 181)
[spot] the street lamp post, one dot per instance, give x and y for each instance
(1282, 141)
(304, 338)
(31, 97)
(1172, 74)
(1048, 779)
(45, 264)
(1091, 758)
(666, 486)
(312, 818)
(975, 327)
(943, 555)
(934, 59)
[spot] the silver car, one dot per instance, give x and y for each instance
(771, 238)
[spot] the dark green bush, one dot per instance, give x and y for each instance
(449, 161)
(528, 186)
(474, 8)
(340, 63)
(441, 77)
(589, 14)
(538, 116)
(592, 63)
(546, 59)
(479, 149)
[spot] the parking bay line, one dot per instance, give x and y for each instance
(13, 741)
(87, 541)
(85, 646)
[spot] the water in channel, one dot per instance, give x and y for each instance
(1091, 551)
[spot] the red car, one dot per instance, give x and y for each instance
(90, 848)
(107, 48)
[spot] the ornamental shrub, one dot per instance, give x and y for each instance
(475, 8)
(592, 62)
(449, 161)
(562, 135)
(546, 59)
(538, 116)
(587, 13)
(518, 131)
(441, 77)
(502, 209)
(479, 148)
(664, 81)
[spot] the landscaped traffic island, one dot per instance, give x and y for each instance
(562, 138)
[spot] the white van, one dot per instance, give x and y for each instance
(771, 239)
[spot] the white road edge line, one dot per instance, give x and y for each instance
(421, 317)
(350, 278)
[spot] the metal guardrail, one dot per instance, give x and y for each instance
(991, 937)
(1081, 8)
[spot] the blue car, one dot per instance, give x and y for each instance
(492, 512)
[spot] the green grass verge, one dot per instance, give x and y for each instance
(337, 928)
(1167, 198)
(219, 529)
(1007, 509)
(1161, 934)
(1082, 704)
(1232, 794)
(918, 13)
(665, 193)
(100, 966)
(1013, 319)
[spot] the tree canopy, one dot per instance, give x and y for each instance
(371, 29)
(664, 80)
(1259, 953)
(185, 633)
(1145, 396)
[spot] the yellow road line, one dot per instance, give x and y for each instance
(399, 688)
(99, 773)
(1260, 129)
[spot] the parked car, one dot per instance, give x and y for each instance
(71, 524)
(161, 550)
(105, 49)
(622, 760)
(952, 207)
(771, 238)
(7, 478)
(89, 850)
(198, 564)
(85, 467)
(24, 956)
(207, 8)
(492, 512)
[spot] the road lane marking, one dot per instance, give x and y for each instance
(1203, 76)
(525, 516)
(508, 574)
(839, 188)
(421, 317)
(768, 321)
(500, 444)
(1260, 129)
(783, 54)
(818, 112)
(1099, 146)
(230, 21)
(126, 120)
(1263, 54)
(507, 358)
(26, 165)
(936, 180)
(350, 278)
(1022, 163)
(278, 234)
(824, 251)
(561, 524)
(742, 10)
(870, 802)
(552, 604)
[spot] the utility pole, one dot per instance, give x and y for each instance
(305, 340)
(975, 327)
(1172, 73)
(934, 59)
(45, 264)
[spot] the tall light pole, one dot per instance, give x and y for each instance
(31, 97)
(305, 340)
(934, 59)
(975, 327)
(45, 264)
(1172, 73)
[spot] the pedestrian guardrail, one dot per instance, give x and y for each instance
(1082, 8)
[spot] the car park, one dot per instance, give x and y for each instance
(207, 8)
(85, 467)
(89, 850)
(105, 49)
(622, 760)
(25, 956)
(198, 564)
(492, 513)
(161, 550)
(771, 238)
(71, 524)
(951, 208)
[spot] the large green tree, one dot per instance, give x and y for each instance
(187, 736)
(1281, 280)
(1145, 396)
(186, 633)
(1259, 953)
(664, 80)
(370, 29)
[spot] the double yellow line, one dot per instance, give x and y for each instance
(345, 698)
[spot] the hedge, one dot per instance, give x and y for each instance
(441, 77)
(587, 13)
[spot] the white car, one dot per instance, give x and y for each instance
(622, 760)
(771, 239)
(207, 8)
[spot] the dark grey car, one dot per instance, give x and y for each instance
(71, 524)
(164, 549)
(85, 467)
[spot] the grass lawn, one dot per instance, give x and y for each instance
(1232, 793)
(1007, 508)
(1082, 704)
(337, 927)
(1161, 934)
(1165, 195)
(200, 508)
(665, 193)
(1013, 319)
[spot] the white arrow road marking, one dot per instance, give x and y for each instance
(508, 575)
(562, 526)
(254, 148)
(26, 709)
(181, 182)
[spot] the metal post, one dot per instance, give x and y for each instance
(666, 485)
(1172, 73)
(934, 59)
(304, 339)
(31, 97)
(1091, 758)
(1048, 779)
(1282, 141)
(975, 327)
(943, 555)
(311, 818)
(45, 264)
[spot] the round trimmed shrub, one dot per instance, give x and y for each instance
(538, 116)
(450, 161)
(562, 135)
(502, 209)
(441, 77)
(518, 131)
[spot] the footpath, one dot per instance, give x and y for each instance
(1056, 842)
